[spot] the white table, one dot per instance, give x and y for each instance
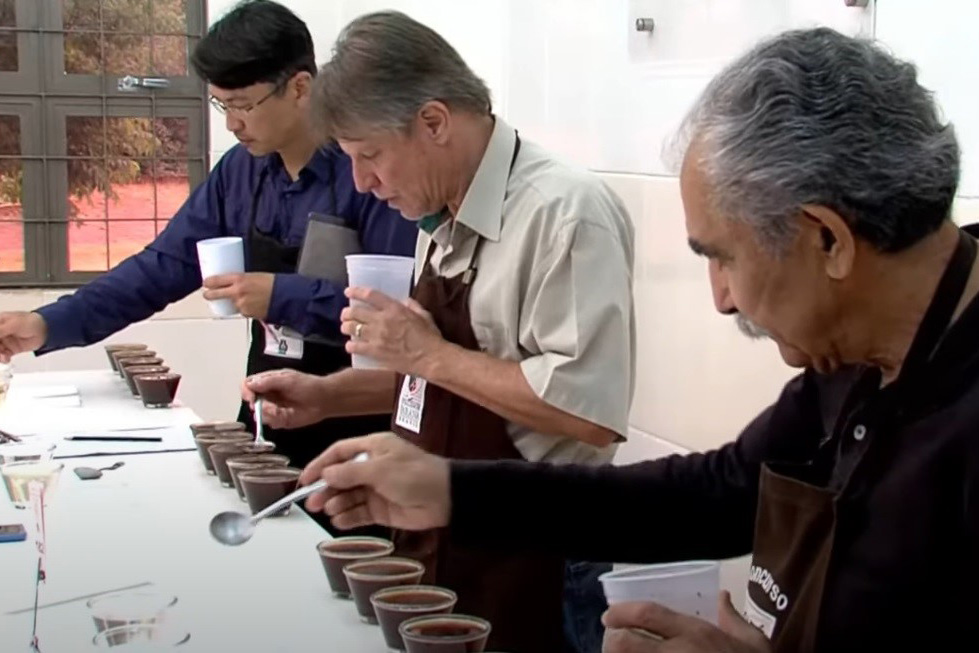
(147, 523)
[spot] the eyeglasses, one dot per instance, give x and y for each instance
(245, 110)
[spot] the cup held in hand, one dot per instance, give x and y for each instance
(221, 256)
(688, 587)
(390, 275)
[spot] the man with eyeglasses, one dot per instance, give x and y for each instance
(259, 63)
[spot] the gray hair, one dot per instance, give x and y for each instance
(816, 117)
(385, 67)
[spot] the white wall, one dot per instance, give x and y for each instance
(941, 39)
(575, 76)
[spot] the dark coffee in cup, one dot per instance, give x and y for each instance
(222, 451)
(215, 427)
(368, 576)
(445, 634)
(206, 440)
(135, 370)
(111, 349)
(395, 605)
(242, 462)
(127, 364)
(335, 554)
(126, 354)
(158, 389)
(263, 487)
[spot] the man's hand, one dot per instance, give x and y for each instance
(653, 628)
(402, 337)
(399, 485)
(21, 331)
(290, 399)
(250, 291)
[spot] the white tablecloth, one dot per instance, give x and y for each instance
(147, 523)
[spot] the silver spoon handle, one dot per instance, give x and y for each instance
(301, 493)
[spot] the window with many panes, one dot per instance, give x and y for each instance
(102, 131)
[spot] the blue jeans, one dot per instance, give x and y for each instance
(584, 603)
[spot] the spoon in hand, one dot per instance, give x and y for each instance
(234, 528)
(258, 420)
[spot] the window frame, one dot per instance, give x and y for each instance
(42, 96)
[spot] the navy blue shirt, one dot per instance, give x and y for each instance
(168, 270)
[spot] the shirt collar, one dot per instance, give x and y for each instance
(320, 165)
(482, 206)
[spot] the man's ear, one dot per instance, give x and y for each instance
(829, 235)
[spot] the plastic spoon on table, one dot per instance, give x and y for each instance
(234, 528)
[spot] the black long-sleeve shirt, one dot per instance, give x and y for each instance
(681, 507)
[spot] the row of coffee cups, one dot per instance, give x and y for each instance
(145, 373)
(258, 474)
(386, 590)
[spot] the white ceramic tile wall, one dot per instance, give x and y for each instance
(584, 83)
(940, 38)
(699, 380)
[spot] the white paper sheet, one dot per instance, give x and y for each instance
(48, 391)
(66, 401)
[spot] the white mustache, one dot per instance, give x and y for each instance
(750, 329)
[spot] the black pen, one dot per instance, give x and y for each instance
(98, 438)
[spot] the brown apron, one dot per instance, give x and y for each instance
(796, 522)
(519, 594)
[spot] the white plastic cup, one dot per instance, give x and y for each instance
(390, 275)
(688, 587)
(221, 256)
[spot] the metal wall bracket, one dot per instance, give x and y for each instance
(645, 24)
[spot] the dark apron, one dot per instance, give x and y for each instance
(796, 521)
(266, 254)
(519, 594)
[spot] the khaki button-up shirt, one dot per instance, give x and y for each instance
(553, 289)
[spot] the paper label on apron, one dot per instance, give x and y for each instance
(758, 617)
(411, 404)
(283, 342)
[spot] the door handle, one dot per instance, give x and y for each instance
(133, 83)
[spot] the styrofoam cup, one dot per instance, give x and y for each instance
(390, 275)
(688, 587)
(221, 256)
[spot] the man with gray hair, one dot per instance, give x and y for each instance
(818, 180)
(519, 342)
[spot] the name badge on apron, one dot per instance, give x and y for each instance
(283, 342)
(411, 404)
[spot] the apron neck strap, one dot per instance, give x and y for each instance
(256, 196)
(470, 272)
(942, 308)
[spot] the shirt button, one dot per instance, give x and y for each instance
(859, 432)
